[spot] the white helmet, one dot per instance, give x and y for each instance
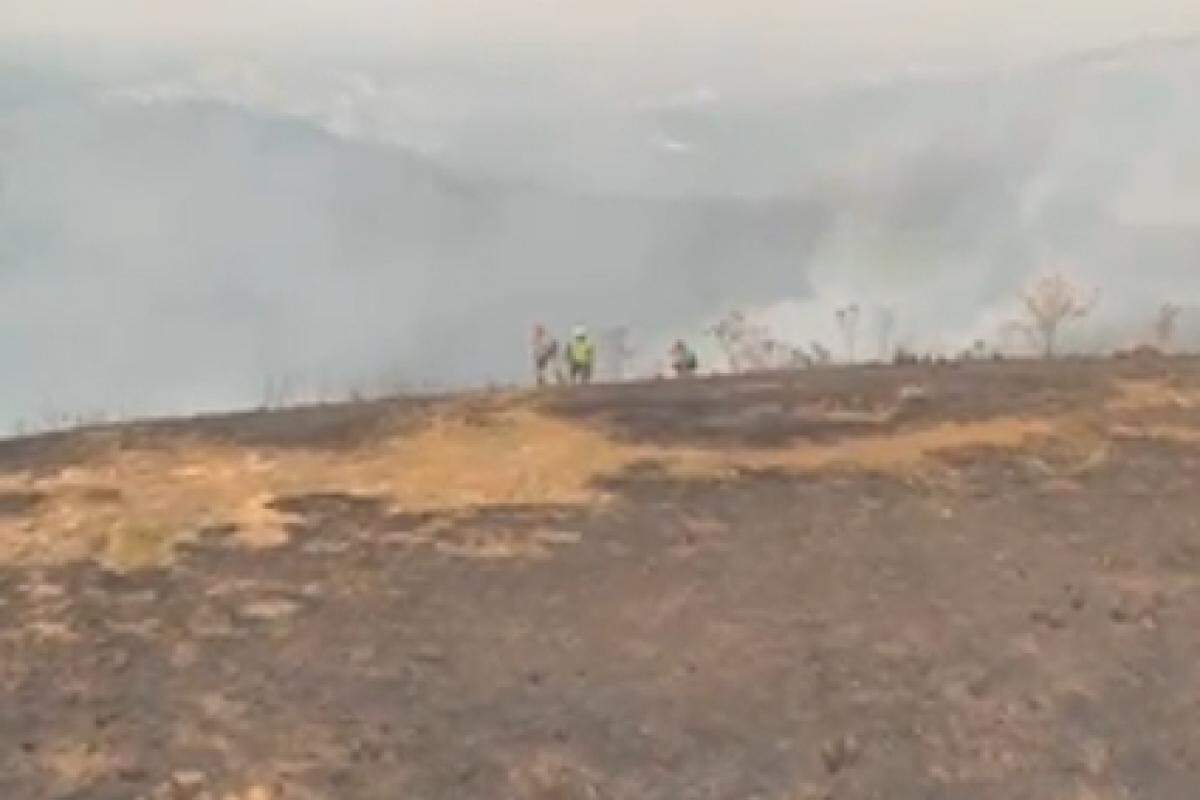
(579, 332)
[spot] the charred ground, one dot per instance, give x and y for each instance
(779, 586)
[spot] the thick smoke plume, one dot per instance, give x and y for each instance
(189, 235)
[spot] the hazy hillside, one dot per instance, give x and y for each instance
(227, 247)
(175, 234)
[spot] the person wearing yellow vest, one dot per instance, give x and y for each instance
(581, 356)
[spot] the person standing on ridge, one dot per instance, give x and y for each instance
(581, 356)
(683, 360)
(545, 355)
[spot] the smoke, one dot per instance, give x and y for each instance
(183, 235)
(969, 189)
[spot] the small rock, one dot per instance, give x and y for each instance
(837, 754)
(618, 550)
(429, 653)
(940, 774)
(120, 660)
(188, 778)
(1048, 618)
(558, 537)
(1096, 757)
(44, 591)
(187, 784)
(208, 622)
(183, 655)
(401, 538)
(132, 773)
(270, 609)
(1062, 486)
(361, 656)
(978, 688)
(956, 691)
(810, 791)
(139, 596)
(319, 547)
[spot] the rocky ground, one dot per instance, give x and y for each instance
(975, 581)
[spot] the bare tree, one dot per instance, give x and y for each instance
(746, 345)
(729, 332)
(1166, 325)
(798, 358)
(847, 318)
(616, 352)
(280, 391)
(885, 327)
(1051, 301)
(783, 355)
(1016, 333)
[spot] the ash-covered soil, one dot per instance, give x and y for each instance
(984, 620)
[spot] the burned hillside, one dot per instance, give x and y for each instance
(969, 580)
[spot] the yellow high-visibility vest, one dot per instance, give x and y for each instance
(581, 351)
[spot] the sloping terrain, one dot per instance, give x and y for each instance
(974, 580)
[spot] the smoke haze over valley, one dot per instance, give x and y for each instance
(182, 224)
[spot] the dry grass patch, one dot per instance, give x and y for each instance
(1143, 395)
(1177, 434)
(888, 453)
(73, 765)
(129, 507)
(136, 545)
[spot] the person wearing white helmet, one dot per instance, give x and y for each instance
(545, 355)
(581, 356)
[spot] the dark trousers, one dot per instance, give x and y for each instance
(581, 372)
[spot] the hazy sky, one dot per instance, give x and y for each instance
(845, 31)
(199, 198)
